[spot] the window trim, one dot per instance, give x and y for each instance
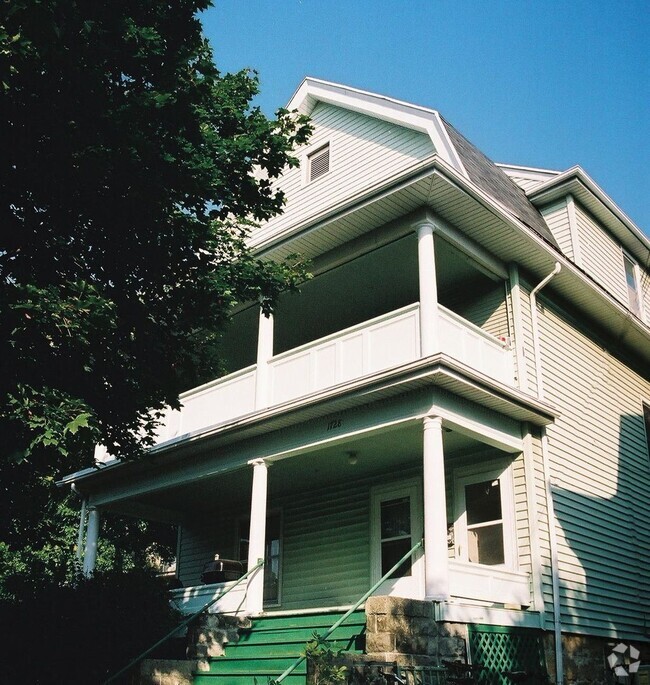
(467, 475)
(636, 275)
(238, 540)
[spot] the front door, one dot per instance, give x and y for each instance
(396, 526)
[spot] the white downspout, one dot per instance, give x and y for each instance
(557, 619)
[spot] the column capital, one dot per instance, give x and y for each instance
(432, 421)
(424, 221)
(258, 462)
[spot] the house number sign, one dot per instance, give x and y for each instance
(334, 423)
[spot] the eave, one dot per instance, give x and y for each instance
(585, 190)
(437, 371)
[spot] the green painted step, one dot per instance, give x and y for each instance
(273, 643)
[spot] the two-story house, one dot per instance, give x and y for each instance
(468, 366)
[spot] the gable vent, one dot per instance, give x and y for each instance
(319, 162)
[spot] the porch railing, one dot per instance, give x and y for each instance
(183, 624)
(353, 608)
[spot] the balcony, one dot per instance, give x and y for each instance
(381, 343)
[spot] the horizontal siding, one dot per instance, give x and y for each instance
(601, 473)
(487, 310)
(601, 255)
(521, 515)
(363, 151)
(557, 219)
(527, 183)
(528, 348)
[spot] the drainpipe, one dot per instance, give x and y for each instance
(557, 619)
(82, 523)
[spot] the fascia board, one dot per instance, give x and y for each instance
(381, 107)
(560, 185)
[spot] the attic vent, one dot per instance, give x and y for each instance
(319, 162)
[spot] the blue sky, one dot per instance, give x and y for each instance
(544, 84)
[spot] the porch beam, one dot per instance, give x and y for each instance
(92, 537)
(257, 536)
(436, 564)
(429, 343)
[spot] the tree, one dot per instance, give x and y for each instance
(132, 170)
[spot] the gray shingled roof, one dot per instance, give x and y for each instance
(487, 176)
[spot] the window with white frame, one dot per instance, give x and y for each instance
(484, 516)
(318, 162)
(632, 282)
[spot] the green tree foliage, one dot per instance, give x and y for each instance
(131, 170)
(130, 175)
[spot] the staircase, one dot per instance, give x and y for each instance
(273, 643)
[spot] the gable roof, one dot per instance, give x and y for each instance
(448, 143)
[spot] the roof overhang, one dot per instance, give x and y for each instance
(437, 371)
(589, 194)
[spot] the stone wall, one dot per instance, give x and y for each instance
(209, 635)
(405, 630)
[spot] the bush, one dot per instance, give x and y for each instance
(83, 633)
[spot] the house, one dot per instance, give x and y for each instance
(469, 366)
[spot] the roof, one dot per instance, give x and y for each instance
(448, 143)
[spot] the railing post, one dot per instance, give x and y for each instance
(257, 536)
(436, 562)
(92, 536)
(264, 355)
(429, 339)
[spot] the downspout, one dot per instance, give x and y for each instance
(82, 523)
(557, 620)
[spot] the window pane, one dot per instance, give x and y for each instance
(485, 545)
(483, 501)
(391, 553)
(396, 518)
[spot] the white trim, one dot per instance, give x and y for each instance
(410, 586)
(467, 475)
(573, 230)
(418, 118)
(476, 613)
(636, 272)
(305, 162)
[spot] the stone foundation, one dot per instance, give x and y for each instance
(405, 630)
(209, 635)
(166, 672)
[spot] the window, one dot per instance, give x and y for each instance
(272, 556)
(483, 528)
(318, 162)
(632, 284)
(396, 526)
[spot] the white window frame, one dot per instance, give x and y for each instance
(308, 155)
(467, 475)
(238, 539)
(410, 586)
(636, 274)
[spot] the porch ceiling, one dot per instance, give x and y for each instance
(383, 452)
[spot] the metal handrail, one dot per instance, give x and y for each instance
(352, 609)
(186, 622)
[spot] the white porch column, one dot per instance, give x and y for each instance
(257, 536)
(92, 536)
(429, 342)
(264, 354)
(436, 566)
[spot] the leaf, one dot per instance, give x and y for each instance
(80, 421)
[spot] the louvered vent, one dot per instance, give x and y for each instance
(319, 163)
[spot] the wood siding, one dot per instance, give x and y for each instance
(601, 473)
(602, 257)
(363, 152)
(557, 218)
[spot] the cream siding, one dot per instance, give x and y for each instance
(602, 258)
(527, 183)
(528, 346)
(363, 152)
(601, 474)
(487, 310)
(557, 219)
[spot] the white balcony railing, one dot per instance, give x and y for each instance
(488, 583)
(191, 599)
(385, 342)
